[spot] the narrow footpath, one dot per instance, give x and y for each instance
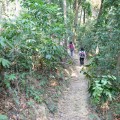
(74, 103)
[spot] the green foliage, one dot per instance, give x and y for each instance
(43, 82)
(102, 89)
(101, 39)
(116, 106)
(30, 35)
(47, 16)
(86, 35)
(3, 117)
(51, 106)
(87, 6)
(4, 62)
(93, 116)
(9, 79)
(35, 94)
(29, 44)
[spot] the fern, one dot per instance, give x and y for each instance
(5, 63)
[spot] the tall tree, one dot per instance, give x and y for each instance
(3, 8)
(100, 11)
(84, 15)
(49, 1)
(0, 10)
(76, 10)
(17, 7)
(65, 20)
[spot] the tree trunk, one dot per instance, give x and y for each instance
(75, 21)
(76, 13)
(65, 20)
(118, 65)
(80, 16)
(84, 16)
(17, 7)
(3, 7)
(7, 6)
(0, 10)
(1, 72)
(100, 11)
(49, 1)
(65, 11)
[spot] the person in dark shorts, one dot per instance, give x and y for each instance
(82, 55)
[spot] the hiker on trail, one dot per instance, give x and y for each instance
(71, 47)
(82, 55)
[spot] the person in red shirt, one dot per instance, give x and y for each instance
(71, 47)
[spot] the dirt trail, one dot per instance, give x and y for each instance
(74, 103)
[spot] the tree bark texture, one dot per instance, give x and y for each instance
(100, 11)
(84, 15)
(1, 72)
(65, 20)
(75, 21)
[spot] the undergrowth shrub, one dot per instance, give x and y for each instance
(101, 41)
(29, 54)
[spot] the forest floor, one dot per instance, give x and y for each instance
(74, 104)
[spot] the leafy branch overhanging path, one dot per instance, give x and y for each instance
(74, 103)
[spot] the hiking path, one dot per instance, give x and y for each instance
(74, 103)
